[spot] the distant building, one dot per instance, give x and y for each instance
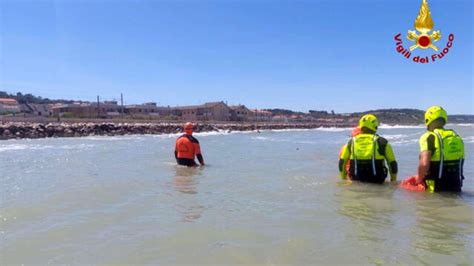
(147, 110)
(281, 118)
(261, 115)
(73, 109)
(240, 113)
(212, 111)
(8, 105)
(37, 109)
(86, 109)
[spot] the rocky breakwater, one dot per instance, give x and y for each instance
(14, 130)
(34, 130)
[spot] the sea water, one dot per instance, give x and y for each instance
(272, 197)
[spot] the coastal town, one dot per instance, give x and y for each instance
(26, 107)
(218, 111)
(210, 111)
(27, 116)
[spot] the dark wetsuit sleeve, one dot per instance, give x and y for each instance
(427, 143)
(200, 159)
(341, 165)
(431, 144)
(197, 149)
(385, 149)
(176, 150)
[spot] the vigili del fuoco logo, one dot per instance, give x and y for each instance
(425, 38)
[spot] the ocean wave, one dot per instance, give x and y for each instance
(403, 142)
(400, 126)
(326, 129)
(469, 139)
(226, 132)
(114, 138)
(395, 137)
(261, 138)
(333, 129)
(212, 133)
(461, 125)
(285, 130)
(15, 147)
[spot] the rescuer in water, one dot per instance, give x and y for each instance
(367, 153)
(441, 161)
(187, 147)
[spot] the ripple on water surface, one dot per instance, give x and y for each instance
(272, 197)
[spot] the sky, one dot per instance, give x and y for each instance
(299, 55)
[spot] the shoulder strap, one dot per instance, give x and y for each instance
(192, 139)
(374, 169)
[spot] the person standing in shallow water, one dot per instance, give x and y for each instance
(367, 153)
(187, 148)
(441, 161)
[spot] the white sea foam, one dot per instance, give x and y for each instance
(261, 138)
(114, 138)
(333, 129)
(400, 126)
(212, 133)
(469, 139)
(395, 137)
(461, 125)
(74, 147)
(402, 142)
(326, 129)
(14, 147)
(287, 129)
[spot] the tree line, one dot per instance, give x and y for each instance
(30, 98)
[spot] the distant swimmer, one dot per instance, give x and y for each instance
(367, 153)
(187, 147)
(441, 160)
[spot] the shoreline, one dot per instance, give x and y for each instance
(33, 130)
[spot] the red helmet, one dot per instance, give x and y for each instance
(188, 128)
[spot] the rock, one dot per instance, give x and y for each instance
(37, 130)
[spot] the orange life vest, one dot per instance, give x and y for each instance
(187, 147)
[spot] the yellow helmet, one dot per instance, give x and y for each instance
(435, 112)
(369, 121)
